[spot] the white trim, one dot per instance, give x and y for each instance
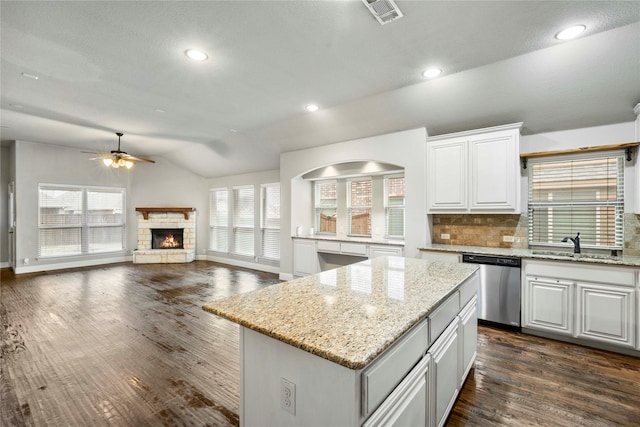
(72, 264)
(245, 264)
(286, 276)
(476, 131)
(4, 265)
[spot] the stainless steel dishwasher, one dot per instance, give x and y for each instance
(499, 289)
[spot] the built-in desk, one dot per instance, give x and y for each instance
(385, 339)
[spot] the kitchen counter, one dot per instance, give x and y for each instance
(351, 314)
(554, 255)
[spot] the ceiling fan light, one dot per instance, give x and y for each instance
(107, 162)
(128, 164)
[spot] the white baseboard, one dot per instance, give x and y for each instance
(72, 264)
(4, 265)
(244, 264)
(286, 276)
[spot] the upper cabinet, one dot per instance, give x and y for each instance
(475, 171)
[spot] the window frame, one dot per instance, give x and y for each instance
(318, 208)
(388, 208)
(351, 207)
(213, 227)
(264, 227)
(242, 228)
(85, 227)
(617, 236)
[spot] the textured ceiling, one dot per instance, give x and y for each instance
(108, 66)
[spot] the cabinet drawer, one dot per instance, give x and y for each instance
(443, 315)
(354, 248)
(379, 380)
(469, 289)
(325, 246)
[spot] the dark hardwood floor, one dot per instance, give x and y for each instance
(129, 345)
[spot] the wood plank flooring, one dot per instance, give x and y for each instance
(129, 345)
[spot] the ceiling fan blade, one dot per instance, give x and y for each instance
(90, 152)
(138, 159)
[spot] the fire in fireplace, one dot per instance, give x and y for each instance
(167, 238)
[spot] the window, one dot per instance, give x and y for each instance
(326, 204)
(394, 206)
(270, 221)
(360, 198)
(80, 220)
(219, 220)
(581, 193)
(243, 221)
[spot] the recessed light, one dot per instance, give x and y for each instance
(312, 108)
(431, 72)
(571, 32)
(158, 110)
(196, 54)
(30, 76)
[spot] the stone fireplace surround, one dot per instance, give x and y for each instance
(165, 217)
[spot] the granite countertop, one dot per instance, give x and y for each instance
(351, 239)
(351, 314)
(554, 255)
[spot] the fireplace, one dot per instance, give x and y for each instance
(167, 238)
(165, 235)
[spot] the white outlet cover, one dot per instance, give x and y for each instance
(288, 396)
(445, 236)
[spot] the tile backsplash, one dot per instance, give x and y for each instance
(489, 231)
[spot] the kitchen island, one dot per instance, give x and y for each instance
(371, 343)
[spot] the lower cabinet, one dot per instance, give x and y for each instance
(605, 313)
(549, 305)
(406, 406)
(305, 257)
(468, 338)
(446, 381)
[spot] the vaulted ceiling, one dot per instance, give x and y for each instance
(109, 66)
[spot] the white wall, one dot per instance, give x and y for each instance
(4, 226)
(255, 179)
(406, 149)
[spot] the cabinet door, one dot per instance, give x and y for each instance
(447, 174)
(548, 305)
(605, 313)
(305, 257)
(495, 177)
(445, 377)
(407, 405)
(468, 338)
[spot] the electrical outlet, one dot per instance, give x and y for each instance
(26, 261)
(509, 239)
(445, 236)
(288, 396)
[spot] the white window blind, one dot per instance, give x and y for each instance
(219, 220)
(394, 206)
(359, 202)
(80, 220)
(577, 194)
(270, 221)
(326, 206)
(243, 221)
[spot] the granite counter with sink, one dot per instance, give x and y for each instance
(568, 256)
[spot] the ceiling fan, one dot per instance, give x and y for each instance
(118, 158)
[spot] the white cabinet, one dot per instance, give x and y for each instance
(447, 172)
(445, 377)
(606, 313)
(476, 171)
(407, 405)
(468, 338)
(305, 258)
(385, 250)
(592, 304)
(549, 305)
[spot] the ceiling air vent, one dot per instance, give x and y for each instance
(384, 11)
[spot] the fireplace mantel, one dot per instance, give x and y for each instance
(185, 211)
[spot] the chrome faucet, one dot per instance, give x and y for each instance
(576, 243)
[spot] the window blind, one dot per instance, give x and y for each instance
(580, 193)
(359, 203)
(270, 221)
(219, 220)
(243, 221)
(326, 206)
(80, 220)
(394, 206)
